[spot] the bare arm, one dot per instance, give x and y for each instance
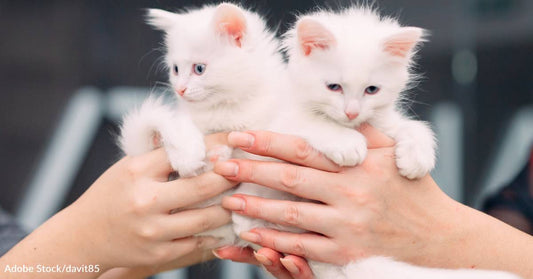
(123, 220)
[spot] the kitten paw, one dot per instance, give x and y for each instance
(348, 149)
(188, 162)
(217, 153)
(415, 156)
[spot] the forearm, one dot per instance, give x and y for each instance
(50, 246)
(487, 243)
(462, 237)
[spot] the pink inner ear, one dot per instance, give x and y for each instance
(402, 44)
(398, 48)
(230, 20)
(312, 35)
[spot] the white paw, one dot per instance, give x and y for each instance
(187, 160)
(414, 160)
(344, 149)
(217, 153)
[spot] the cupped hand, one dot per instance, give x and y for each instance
(124, 220)
(359, 211)
(127, 211)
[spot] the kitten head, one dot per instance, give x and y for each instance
(350, 64)
(213, 51)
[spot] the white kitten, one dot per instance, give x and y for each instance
(346, 69)
(224, 66)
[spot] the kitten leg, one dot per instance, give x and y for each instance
(140, 127)
(344, 146)
(415, 149)
(415, 144)
(184, 144)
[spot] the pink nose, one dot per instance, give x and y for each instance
(181, 91)
(352, 116)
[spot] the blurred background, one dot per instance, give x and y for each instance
(68, 69)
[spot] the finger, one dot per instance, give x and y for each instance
(193, 221)
(185, 246)
(154, 164)
(301, 181)
(284, 147)
(297, 266)
(270, 260)
(308, 245)
(308, 216)
(374, 137)
(188, 191)
(236, 254)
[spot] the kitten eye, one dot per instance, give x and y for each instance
(372, 90)
(334, 87)
(199, 69)
(175, 69)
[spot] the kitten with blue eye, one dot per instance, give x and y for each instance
(224, 66)
(347, 68)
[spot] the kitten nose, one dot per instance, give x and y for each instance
(182, 90)
(352, 116)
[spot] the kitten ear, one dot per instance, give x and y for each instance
(313, 35)
(403, 43)
(160, 19)
(229, 20)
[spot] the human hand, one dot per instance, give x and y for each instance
(365, 210)
(124, 220)
(136, 198)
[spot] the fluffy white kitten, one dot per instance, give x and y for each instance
(348, 68)
(224, 66)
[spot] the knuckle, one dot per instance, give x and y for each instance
(357, 225)
(250, 174)
(204, 223)
(359, 196)
(265, 145)
(204, 190)
(141, 204)
(134, 167)
(290, 176)
(148, 232)
(298, 248)
(303, 149)
(292, 215)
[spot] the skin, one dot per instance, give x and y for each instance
(365, 211)
(123, 220)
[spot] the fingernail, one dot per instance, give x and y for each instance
(227, 169)
(251, 237)
(233, 203)
(290, 266)
(217, 254)
(262, 259)
(241, 139)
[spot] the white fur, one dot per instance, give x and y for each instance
(386, 268)
(350, 51)
(240, 90)
(237, 91)
(356, 59)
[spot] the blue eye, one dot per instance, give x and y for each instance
(334, 87)
(372, 90)
(175, 69)
(199, 69)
